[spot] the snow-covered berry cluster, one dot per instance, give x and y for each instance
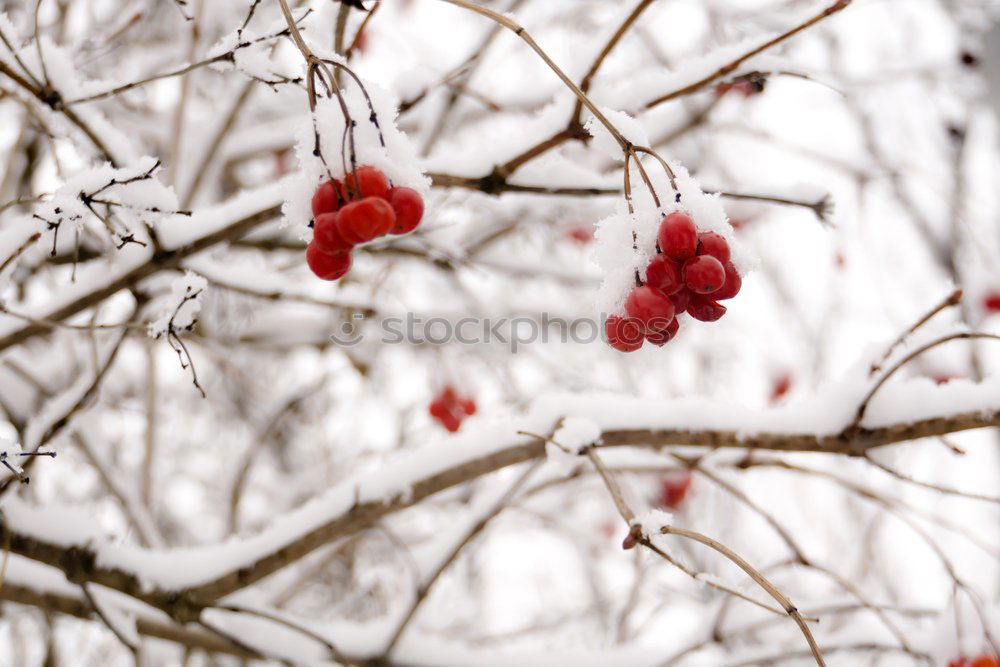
(356, 210)
(690, 273)
(449, 408)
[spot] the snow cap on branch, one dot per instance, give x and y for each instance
(398, 158)
(181, 308)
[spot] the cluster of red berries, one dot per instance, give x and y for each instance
(356, 210)
(674, 490)
(449, 408)
(691, 273)
(981, 661)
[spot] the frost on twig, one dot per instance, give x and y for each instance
(123, 201)
(181, 315)
(11, 457)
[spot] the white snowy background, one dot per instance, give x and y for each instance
(308, 511)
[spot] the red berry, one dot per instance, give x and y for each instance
(731, 287)
(991, 302)
(624, 334)
(703, 274)
(438, 409)
(451, 422)
(674, 489)
(327, 266)
(704, 309)
(710, 243)
(985, 661)
(682, 299)
(326, 200)
(370, 181)
(652, 308)
(365, 220)
(780, 387)
(664, 274)
(409, 208)
(678, 236)
(468, 406)
(664, 336)
(582, 235)
(326, 234)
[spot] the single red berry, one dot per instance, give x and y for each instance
(731, 287)
(365, 220)
(664, 274)
(663, 336)
(326, 199)
(959, 662)
(581, 235)
(710, 243)
(326, 234)
(991, 302)
(780, 387)
(409, 208)
(327, 266)
(704, 309)
(682, 299)
(468, 406)
(451, 423)
(674, 490)
(652, 308)
(438, 409)
(703, 274)
(370, 182)
(624, 334)
(678, 237)
(449, 395)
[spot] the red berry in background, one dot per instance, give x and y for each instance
(371, 182)
(451, 422)
(780, 387)
(678, 237)
(652, 308)
(326, 234)
(449, 408)
(327, 266)
(705, 309)
(326, 199)
(365, 220)
(991, 302)
(664, 274)
(408, 206)
(703, 274)
(710, 243)
(580, 234)
(674, 490)
(731, 287)
(624, 334)
(981, 661)
(663, 336)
